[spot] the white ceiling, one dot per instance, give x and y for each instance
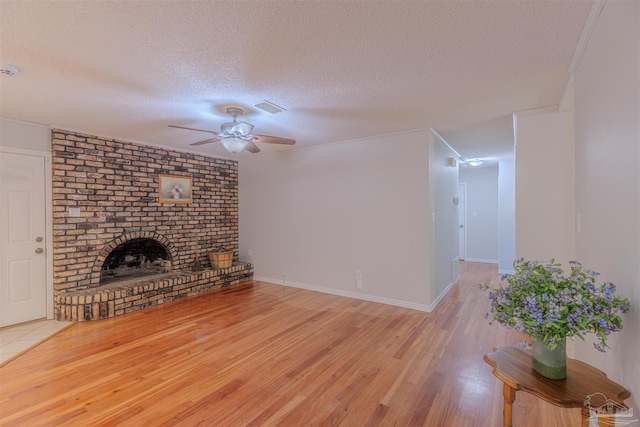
(491, 140)
(342, 69)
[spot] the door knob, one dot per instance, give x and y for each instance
(38, 239)
(39, 250)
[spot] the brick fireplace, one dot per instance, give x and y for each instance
(105, 196)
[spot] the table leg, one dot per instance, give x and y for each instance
(586, 418)
(509, 395)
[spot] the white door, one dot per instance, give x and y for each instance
(462, 215)
(23, 288)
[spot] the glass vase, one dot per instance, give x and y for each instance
(549, 363)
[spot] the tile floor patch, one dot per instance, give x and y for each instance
(16, 339)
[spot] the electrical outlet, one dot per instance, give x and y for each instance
(250, 253)
(358, 274)
(284, 277)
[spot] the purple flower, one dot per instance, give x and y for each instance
(539, 300)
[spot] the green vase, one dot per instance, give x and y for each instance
(549, 363)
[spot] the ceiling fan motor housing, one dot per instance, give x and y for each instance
(236, 129)
(234, 112)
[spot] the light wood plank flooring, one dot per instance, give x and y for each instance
(264, 355)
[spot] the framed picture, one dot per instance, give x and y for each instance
(174, 189)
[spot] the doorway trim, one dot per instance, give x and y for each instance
(462, 195)
(48, 172)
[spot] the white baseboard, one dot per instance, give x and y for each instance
(433, 305)
(348, 294)
(487, 261)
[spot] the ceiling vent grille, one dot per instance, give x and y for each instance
(269, 107)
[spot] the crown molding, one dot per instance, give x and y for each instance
(589, 25)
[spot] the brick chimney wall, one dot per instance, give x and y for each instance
(115, 185)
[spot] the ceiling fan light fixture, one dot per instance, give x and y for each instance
(242, 128)
(234, 145)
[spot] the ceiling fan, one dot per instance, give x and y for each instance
(236, 136)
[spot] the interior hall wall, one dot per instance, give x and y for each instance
(545, 186)
(26, 136)
(443, 179)
(607, 154)
(338, 216)
(507, 214)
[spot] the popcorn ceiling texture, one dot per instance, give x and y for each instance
(115, 185)
(342, 69)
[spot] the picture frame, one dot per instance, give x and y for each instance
(174, 189)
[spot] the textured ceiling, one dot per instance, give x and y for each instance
(342, 69)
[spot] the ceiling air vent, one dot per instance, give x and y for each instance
(269, 107)
(8, 70)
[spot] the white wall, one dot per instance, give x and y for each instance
(506, 214)
(444, 188)
(607, 155)
(319, 215)
(545, 186)
(482, 213)
(24, 135)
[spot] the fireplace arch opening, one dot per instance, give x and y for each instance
(135, 258)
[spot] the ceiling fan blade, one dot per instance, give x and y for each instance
(206, 141)
(273, 139)
(199, 130)
(252, 148)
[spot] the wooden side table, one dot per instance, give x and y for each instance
(513, 367)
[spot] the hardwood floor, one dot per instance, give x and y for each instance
(262, 354)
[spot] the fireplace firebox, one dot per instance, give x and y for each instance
(135, 258)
